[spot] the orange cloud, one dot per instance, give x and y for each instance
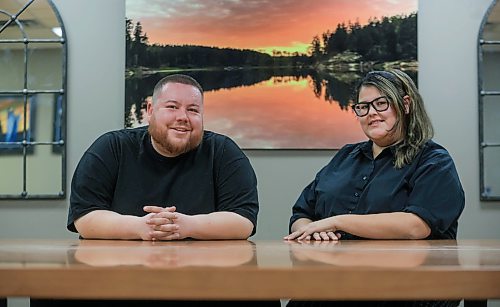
(252, 24)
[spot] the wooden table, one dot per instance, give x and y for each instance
(361, 270)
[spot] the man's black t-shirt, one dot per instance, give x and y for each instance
(122, 172)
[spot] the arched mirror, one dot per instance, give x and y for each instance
(32, 100)
(489, 103)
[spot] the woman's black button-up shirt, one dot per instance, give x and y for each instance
(355, 183)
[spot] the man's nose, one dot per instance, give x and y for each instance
(182, 115)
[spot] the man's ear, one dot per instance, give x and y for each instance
(149, 107)
(406, 102)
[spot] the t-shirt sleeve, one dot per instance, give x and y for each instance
(236, 187)
(93, 182)
(437, 195)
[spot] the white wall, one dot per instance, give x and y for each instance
(447, 79)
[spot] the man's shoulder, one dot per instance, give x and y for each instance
(217, 139)
(125, 134)
(221, 145)
(210, 135)
(120, 138)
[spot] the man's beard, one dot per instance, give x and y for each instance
(174, 148)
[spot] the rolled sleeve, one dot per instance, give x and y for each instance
(437, 195)
(304, 207)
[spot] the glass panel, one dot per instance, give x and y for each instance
(11, 66)
(491, 119)
(11, 166)
(492, 171)
(13, 31)
(43, 171)
(41, 63)
(491, 30)
(43, 117)
(12, 120)
(11, 6)
(39, 21)
(491, 67)
(7, 9)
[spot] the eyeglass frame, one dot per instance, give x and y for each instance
(370, 103)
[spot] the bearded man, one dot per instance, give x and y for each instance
(168, 181)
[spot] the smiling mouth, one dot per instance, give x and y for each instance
(181, 129)
(375, 122)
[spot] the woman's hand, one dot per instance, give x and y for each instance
(322, 230)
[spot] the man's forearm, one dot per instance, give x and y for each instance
(103, 224)
(219, 226)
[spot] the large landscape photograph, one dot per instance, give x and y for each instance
(276, 74)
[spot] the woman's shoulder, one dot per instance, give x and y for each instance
(433, 152)
(431, 147)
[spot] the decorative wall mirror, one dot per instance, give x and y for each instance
(489, 103)
(32, 100)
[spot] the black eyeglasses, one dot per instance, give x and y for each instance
(380, 104)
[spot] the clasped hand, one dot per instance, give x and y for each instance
(163, 223)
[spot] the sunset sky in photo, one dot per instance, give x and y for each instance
(263, 25)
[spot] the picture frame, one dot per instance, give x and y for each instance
(270, 93)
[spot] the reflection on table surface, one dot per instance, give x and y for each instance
(259, 270)
(102, 253)
(230, 253)
(364, 253)
(165, 254)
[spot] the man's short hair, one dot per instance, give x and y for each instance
(176, 78)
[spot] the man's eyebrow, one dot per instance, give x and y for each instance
(169, 101)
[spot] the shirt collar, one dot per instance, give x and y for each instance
(363, 147)
(366, 149)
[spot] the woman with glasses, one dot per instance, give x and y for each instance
(397, 185)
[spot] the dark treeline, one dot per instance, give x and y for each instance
(381, 40)
(140, 53)
(389, 39)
